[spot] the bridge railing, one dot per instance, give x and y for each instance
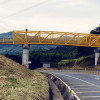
(53, 38)
(56, 38)
(6, 40)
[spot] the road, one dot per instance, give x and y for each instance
(86, 86)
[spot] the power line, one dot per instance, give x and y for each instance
(4, 2)
(26, 9)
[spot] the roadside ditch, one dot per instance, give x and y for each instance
(59, 90)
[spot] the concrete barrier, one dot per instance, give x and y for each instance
(65, 90)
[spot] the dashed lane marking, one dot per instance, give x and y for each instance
(91, 96)
(84, 88)
(96, 75)
(77, 83)
(82, 85)
(88, 92)
(97, 78)
(80, 80)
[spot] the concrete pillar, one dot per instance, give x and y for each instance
(97, 56)
(25, 55)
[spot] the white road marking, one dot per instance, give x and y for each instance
(84, 88)
(89, 92)
(96, 75)
(91, 96)
(82, 85)
(95, 81)
(80, 80)
(97, 78)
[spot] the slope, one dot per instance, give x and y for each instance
(82, 62)
(19, 83)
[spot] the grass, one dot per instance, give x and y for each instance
(19, 83)
(80, 63)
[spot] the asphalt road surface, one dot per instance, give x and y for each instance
(86, 86)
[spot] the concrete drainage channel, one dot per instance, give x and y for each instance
(59, 89)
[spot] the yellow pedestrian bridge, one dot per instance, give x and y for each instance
(52, 38)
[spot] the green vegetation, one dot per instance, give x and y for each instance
(46, 53)
(87, 61)
(53, 55)
(96, 30)
(19, 83)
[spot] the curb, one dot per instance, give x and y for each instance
(55, 93)
(65, 90)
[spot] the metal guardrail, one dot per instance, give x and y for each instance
(86, 71)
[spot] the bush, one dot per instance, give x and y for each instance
(87, 61)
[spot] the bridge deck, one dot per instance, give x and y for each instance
(52, 38)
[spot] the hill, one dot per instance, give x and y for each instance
(82, 62)
(17, 49)
(19, 83)
(53, 55)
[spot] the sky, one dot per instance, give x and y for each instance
(49, 15)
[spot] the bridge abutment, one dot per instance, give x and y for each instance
(25, 55)
(97, 56)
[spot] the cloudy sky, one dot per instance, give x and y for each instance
(49, 15)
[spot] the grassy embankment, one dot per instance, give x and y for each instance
(80, 63)
(19, 83)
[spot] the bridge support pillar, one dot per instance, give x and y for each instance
(97, 56)
(25, 55)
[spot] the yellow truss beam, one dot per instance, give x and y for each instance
(53, 38)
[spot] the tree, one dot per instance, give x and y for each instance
(84, 51)
(96, 30)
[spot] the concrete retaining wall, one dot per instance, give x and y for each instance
(65, 90)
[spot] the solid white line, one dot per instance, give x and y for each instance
(80, 80)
